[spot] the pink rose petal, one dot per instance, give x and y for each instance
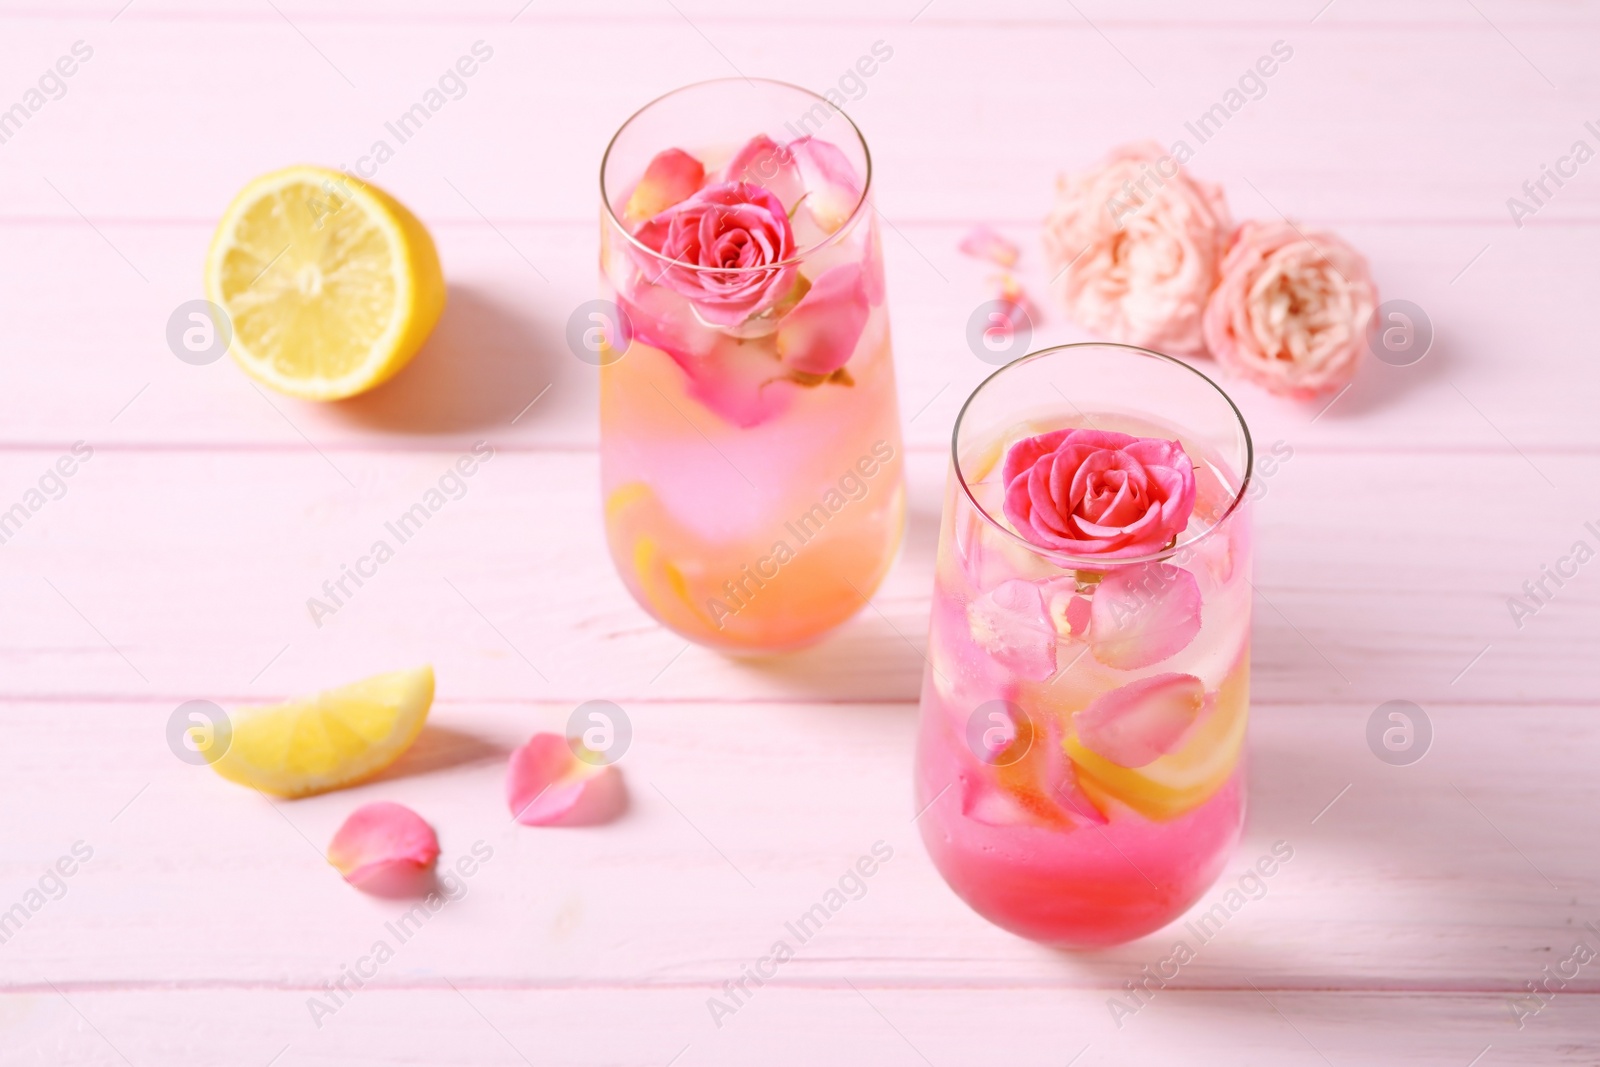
(764, 162)
(1010, 623)
(381, 844)
(832, 187)
(547, 785)
(1139, 722)
(671, 177)
(1069, 611)
(984, 243)
(1010, 293)
(1142, 615)
(732, 379)
(820, 334)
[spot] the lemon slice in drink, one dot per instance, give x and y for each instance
(1180, 781)
(331, 284)
(333, 739)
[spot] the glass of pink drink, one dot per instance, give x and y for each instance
(750, 437)
(1079, 762)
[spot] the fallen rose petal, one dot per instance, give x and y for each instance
(1139, 722)
(547, 784)
(1011, 624)
(381, 843)
(820, 334)
(1010, 293)
(984, 243)
(1142, 615)
(832, 187)
(671, 177)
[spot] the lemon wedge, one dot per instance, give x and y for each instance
(333, 739)
(331, 285)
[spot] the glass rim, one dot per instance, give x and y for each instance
(799, 254)
(1091, 563)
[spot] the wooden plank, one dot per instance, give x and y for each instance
(1342, 133)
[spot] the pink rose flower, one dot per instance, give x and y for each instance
(1291, 309)
(1098, 493)
(1136, 243)
(734, 233)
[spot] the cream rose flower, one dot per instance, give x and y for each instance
(1135, 243)
(1291, 309)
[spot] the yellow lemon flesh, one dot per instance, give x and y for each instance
(331, 285)
(330, 740)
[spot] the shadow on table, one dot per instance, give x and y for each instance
(1378, 385)
(1416, 874)
(483, 364)
(440, 748)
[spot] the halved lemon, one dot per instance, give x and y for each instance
(333, 739)
(331, 284)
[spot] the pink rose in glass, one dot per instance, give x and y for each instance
(723, 245)
(1291, 309)
(1098, 493)
(1136, 243)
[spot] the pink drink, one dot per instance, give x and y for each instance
(1079, 763)
(750, 441)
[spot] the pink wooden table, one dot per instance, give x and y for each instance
(1421, 900)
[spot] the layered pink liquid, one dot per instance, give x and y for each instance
(1036, 830)
(752, 506)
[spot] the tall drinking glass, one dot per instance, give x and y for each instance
(1080, 755)
(750, 448)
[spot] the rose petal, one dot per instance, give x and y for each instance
(1137, 723)
(832, 187)
(672, 176)
(764, 162)
(1069, 612)
(1040, 788)
(1142, 615)
(820, 334)
(1011, 624)
(732, 379)
(547, 784)
(1014, 298)
(983, 243)
(1064, 785)
(382, 842)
